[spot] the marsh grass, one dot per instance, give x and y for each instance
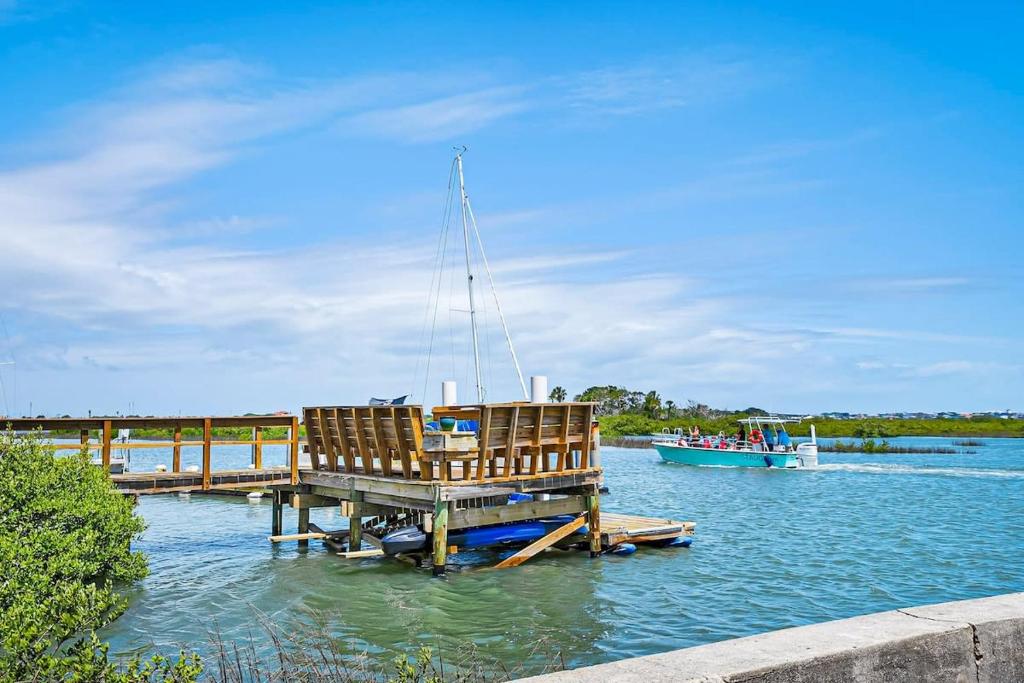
(311, 654)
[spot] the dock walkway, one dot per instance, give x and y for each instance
(385, 472)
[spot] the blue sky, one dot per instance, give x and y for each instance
(231, 207)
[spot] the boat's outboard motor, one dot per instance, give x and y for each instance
(807, 453)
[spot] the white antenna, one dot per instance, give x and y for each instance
(469, 279)
(494, 291)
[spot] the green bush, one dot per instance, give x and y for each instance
(65, 543)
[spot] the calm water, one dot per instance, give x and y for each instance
(773, 549)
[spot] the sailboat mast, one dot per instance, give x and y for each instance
(469, 282)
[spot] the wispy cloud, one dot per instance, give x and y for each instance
(441, 118)
(911, 284)
(666, 83)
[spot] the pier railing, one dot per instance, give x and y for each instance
(108, 427)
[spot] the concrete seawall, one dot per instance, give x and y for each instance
(967, 641)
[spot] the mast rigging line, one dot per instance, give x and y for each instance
(468, 219)
(497, 302)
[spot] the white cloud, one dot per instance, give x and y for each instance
(91, 249)
(441, 118)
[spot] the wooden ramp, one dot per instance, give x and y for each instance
(618, 528)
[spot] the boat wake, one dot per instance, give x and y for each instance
(871, 468)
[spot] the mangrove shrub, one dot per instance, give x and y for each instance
(65, 544)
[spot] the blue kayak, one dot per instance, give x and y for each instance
(412, 539)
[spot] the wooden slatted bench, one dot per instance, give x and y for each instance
(514, 440)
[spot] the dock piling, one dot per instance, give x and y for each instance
(107, 430)
(594, 517)
(440, 532)
(277, 514)
(355, 523)
(304, 526)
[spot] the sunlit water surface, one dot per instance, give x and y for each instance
(861, 533)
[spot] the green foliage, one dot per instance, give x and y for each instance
(635, 424)
(420, 670)
(557, 395)
(869, 430)
(65, 541)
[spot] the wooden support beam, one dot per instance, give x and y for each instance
(306, 537)
(355, 523)
(276, 514)
(403, 445)
(500, 514)
(588, 423)
(257, 447)
(325, 434)
(440, 536)
(346, 447)
(360, 554)
(379, 443)
(84, 437)
(312, 448)
(107, 430)
(594, 515)
(311, 500)
(207, 436)
(304, 527)
(176, 458)
(294, 449)
(542, 543)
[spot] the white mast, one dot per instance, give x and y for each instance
(469, 281)
(497, 304)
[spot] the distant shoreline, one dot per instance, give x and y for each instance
(614, 426)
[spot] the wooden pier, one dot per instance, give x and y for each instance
(386, 470)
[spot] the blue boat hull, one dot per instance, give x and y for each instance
(688, 455)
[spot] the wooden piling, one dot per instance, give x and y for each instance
(355, 522)
(294, 450)
(440, 532)
(207, 437)
(176, 464)
(277, 514)
(107, 430)
(594, 519)
(84, 437)
(304, 526)
(257, 447)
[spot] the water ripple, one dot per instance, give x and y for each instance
(773, 549)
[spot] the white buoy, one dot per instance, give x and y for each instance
(449, 394)
(251, 466)
(254, 495)
(184, 494)
(539, 389)
(192, 468)
(161, 468)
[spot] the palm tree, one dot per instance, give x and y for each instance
(670, 408)
(557, 395)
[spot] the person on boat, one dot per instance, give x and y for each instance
(723, 443)
(741, 435)
(707, 442)
(695, 435)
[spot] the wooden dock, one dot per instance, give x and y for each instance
(618, 528)
(384, 471)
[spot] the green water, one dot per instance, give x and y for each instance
(773, 549)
